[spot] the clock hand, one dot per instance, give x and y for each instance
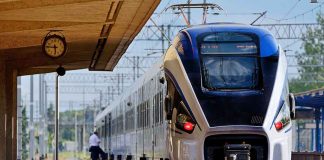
(49, 46)
(55, 48)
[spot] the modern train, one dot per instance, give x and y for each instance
(220, 92)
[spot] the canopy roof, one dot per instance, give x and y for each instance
(312, 98)
(97, 32)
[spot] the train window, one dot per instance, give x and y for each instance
(129, 125)
(147, 114)
(113, 125)
(108, 126)
(156, 109)
(230, 61)
(141, 124)
(161, 98)
(139, 116)
(144, 115)
(227, 37)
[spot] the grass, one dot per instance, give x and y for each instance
(70, 156)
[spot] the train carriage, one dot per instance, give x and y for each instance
(220, 92)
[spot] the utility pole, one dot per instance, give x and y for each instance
(189, 12)
(19, 121)
(31, 120)
(57, 118)
(162, 38)
(84, 119)
(75, 129)
(134, 68)
(137, 66)
(169, 37)
(41, 121)
(45, 118)
(60, 72)
(100, 101)
(204, 13)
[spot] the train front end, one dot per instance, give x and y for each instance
(227, 95)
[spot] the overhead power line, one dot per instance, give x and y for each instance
(298, 15)
(291, 9)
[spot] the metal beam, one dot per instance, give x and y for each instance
(288, 31)
(280, 31)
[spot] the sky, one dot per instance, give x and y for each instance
(238, 11)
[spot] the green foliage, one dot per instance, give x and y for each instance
(25, 137)
(310, 59)
(66, 132)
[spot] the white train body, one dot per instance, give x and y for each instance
(221, 92)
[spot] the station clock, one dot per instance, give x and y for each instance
(54, 45)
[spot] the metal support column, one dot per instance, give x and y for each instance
(317, 131)
(41, 121)
(31, 119)
(298, 136)
(57, 112)
(312, 140)
(45, 120)
(322, 118)
(19, 117)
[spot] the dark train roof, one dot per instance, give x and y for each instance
(268, 44)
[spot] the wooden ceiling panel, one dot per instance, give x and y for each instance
(27, 38)
(89, 26)
(6, 5)
(94, 11)
(14, 25)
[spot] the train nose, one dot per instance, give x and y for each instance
(236, 147)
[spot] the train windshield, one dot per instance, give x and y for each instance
(229, 61)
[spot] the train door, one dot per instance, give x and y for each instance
(151, 117)
(153, 125)
(108, 131)
(154, 115)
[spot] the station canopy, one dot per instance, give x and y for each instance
(97, 32)
(312, 98)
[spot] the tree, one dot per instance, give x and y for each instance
(311, 60)
(25, 137)
(50, 129)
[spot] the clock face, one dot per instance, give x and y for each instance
(54, 46)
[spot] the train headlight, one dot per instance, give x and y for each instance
(188, 126)
(283, 117)
(185, 123)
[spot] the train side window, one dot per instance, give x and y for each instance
(107, 126)
(155, 105)
(161, 104)
(130, 120)
(138, 116)
(147, 109)
(148, 113)
(113, 126)
(142, 116)
(158, 111)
